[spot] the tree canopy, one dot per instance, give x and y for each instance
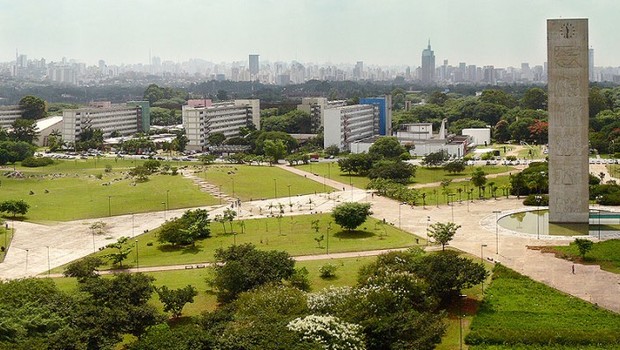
(33, 107)
(351, 214)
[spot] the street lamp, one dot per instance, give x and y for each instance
(49, 266)
(164, 204)
(399, 205)
(109, 205)
(598, 201)
(220, 195)
(482, 262)
(233, 186)
(167, 199)
(538, 200)
(329, 227)
(275, 188)
(137, 258)
(496, 232)
(450, 195)
(27, 251)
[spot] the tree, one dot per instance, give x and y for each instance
(15, 207)
(351, 214)
(242, 267)
(175, 299)
(501, 132)
(274, 149)
(498, 97)
(332, 150)
(447, 274)
(140, 173)
(387, 147)
(24, 130)
(396, 171)
(152, 165)
(435, 159)
(534, 98)
(357, 163)
(121, 253)
(216, 139)
(443, 232)
(193, 225)
(33, 107)
(454, 167)
(180, 142)
(83, 268)
(479, 179)
(584, 246)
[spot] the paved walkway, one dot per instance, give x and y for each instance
(37, 247)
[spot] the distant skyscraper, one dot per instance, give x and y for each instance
(428, 65)
(254, 67)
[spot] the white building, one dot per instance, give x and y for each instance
(124, 119)
(344, 125)
(8, 114)
(316, 106)
(415, 132)
(46, 126)
(479, 136)
(226, 118)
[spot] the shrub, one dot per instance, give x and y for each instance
(33, 162)
(328, 270)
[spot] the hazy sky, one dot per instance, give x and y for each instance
(385, 32)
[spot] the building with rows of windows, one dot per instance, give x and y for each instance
(127, 119)
(226, 118)
(348, 124)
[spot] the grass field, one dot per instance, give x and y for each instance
(423, 174)
(71, 190)
(80, 195)
(605, 253)
(517, 310)
(290, 233)
(257, 182)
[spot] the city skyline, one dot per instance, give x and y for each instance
(394, 32)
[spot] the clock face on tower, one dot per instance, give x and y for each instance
(567, 30)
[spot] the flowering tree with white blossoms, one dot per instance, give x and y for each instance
(329, 331)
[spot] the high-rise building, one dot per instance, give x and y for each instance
(428, 65)
(254, 66)
(344, 125)
(384, 105)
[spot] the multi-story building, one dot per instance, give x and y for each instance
(428, 65)
(384, 103)
(345, 125)
(226, 117)
(254, 66)
(127, 119)
(8, 114)
(316, 107)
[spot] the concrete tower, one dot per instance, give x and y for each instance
(567, 54)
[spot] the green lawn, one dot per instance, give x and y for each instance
(290, 233)
(517, 310)
(605, 253)
(437, 195)
(346, 275)
(257, 182)
(423, 174)
(59, 194)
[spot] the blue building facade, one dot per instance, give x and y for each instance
(384, 104)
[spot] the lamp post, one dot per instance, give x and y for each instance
(275, 188)
(164, 204)
(482, 262)
(109, 205)
(450, 195)
(538, 199)
(329, 227)
(27, 251)
(220, 195)
(329, 170)
(167, 199)
(233, 186)
(496, 232)
(598, 201)
(132, 225)
(49, 266)
(289, 194)
(399, 205)
(137, 258)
